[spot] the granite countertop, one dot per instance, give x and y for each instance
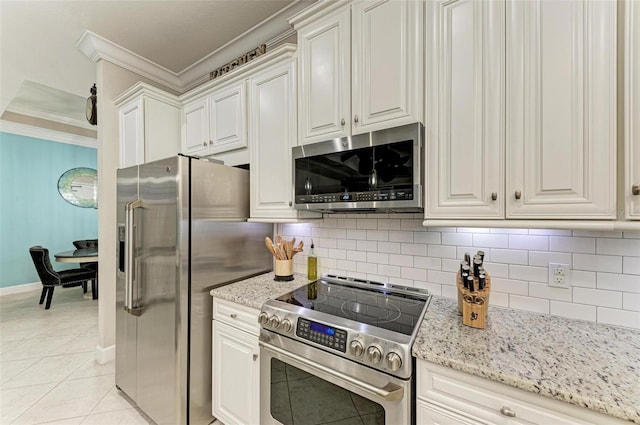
(578, 362)
(583, 363)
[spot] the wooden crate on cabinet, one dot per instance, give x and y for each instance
(360, 67)
(149, 125)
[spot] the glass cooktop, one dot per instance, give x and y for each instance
(369, 302)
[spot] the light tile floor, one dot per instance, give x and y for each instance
(48, 372)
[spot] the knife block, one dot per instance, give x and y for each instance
(473, 305)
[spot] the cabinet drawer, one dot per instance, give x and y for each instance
(237, 315)
(492, 402)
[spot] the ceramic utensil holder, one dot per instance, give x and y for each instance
(474, 305)
(283, 270)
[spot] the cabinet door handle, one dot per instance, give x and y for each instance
(518, 194)
(255, 357)
(494, 196)
(507, 412)
(290, 203)
(233, 315)
(204, 143)
(211, 142)
(342, 122)
(635, 189)
(355, 119)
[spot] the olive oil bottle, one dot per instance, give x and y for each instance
(312, 264)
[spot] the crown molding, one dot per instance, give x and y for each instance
(47, 134)
(96, 48)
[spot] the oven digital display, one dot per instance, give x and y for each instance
(317, 327)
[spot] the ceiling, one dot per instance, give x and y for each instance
(43, 74)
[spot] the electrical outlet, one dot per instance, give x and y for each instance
(559, 275)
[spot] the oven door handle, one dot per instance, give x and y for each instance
(389, 392)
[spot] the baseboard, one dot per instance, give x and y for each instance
(105, 354)
(16, 289)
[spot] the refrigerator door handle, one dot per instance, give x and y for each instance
(129, 259)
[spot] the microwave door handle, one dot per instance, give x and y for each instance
(130, 240)
(390, 392)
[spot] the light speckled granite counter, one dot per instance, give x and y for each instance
(254, 291)
(583, 363)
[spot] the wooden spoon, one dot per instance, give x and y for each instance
(269, 243)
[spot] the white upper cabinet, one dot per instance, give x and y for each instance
(561, 109)
(195, 119)
(149, 125)
(360, 67)
(631, 193)
(465, 109)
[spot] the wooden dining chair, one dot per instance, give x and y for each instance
(65, 278)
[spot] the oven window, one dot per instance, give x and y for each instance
(374, 168)
(299, 398)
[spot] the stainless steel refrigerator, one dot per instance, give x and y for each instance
(182, 231)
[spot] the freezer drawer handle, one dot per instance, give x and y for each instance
(390, 392)
(129, 261)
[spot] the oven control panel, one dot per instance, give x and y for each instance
(327, 336)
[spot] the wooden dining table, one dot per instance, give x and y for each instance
(84, 255)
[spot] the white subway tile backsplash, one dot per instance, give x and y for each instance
(573, 311)
(543, 258)
(597, 263)
(427, 237)
(630, 301)
(456, 238)
(617, 317)
(617, 282)
(512, 256)
(539, 243)
(427, 263)
(605, 275)
(570, 244)
(538, 305)
(631, 265)
(618, 246)
(597, 297)
(509, 286)
(542, 290)
(491, 240)
(536, 274)
(401, 260)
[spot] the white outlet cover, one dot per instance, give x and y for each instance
(559, 275)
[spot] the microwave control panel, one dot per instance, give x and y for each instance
(327, 198)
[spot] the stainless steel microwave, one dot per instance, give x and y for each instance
(378, 171)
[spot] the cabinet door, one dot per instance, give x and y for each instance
(465, 109)
(196, 128)
(132, 134)
(632, 110)
(324, 49)
(272, 134)
(161, 129)
(236, 376)
(561, 109)
(387, 74)
(227, 119)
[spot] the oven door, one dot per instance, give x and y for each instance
(300, 384)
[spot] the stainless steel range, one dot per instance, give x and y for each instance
(344, 344)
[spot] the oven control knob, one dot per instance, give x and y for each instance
(374, 355)
(274, 322)
(263, 318)
(394, 361)
(287, 325)
(356, 348)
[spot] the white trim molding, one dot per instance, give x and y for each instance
(47, 134)
(105, 354)
(17, 289)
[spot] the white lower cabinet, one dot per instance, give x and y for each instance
(236, 368)
(447, 396)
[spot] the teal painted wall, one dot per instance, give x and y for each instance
(32, 212)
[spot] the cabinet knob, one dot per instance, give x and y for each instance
(204, 143)
(355, 118)
(518, 194)
(494, 196)
(635, 189)
(255, 357)
(211, 142)
(290, 203)
(507, 412)
(233, 315)
(342, 122)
